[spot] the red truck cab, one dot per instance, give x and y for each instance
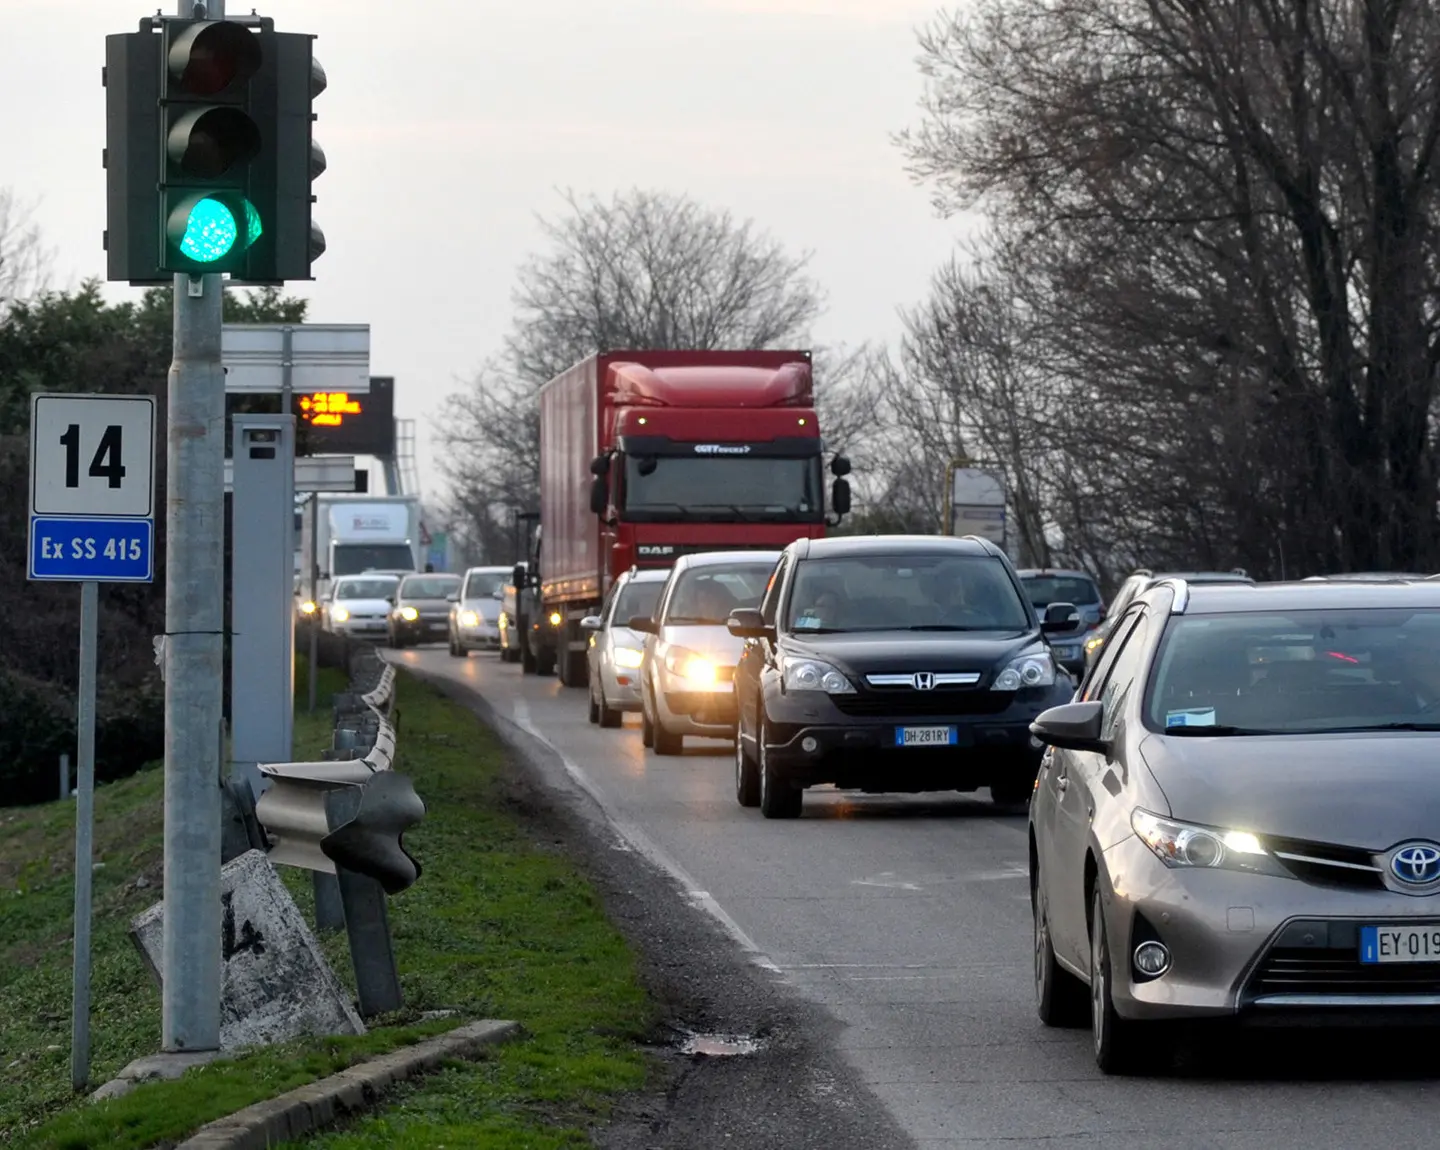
(648, 455)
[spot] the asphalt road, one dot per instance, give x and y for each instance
(906, 919)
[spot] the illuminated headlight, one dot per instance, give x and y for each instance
(339, 614)
(689, 665)
(1037, 670)
(555, 618)
(1094, 643)
(813, 675)
(628, 657)
(307, 607)
(1187, 845)
(469, 619)
(409, 614)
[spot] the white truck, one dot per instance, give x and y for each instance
(359, 533)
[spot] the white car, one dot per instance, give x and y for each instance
(475, 614)
(687, 677)
(359, 605)
(614, 652)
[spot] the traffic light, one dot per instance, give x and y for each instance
(209, 156)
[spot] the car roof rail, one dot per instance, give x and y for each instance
(1182, 594)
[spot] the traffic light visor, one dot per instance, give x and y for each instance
(208, 57)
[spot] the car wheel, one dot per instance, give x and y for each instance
(1119, 1045)
(779, 797)
(747, 776)
(1059, 995)
(647, 727)
(667, 742)
(594, 709)
(610, 718)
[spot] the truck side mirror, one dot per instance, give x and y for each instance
(840, 497)
(839, 466)
(600, 465)
(599, 495)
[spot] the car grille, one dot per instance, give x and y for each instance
(1327, 971)
(1325, 864)
(904, 703)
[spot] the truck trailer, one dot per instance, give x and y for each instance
(649, 455)
(355, 533)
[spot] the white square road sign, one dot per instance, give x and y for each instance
(92, 456)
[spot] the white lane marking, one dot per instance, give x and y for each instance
(890, 881)
(637, 839)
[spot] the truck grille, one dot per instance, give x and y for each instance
(906, 703)
(1306, 970)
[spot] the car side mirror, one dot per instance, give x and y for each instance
(1060, 617)
(498, 593)
(840, 497)
(643, 624)
(748, 623)
(592, 623)
(453, 597)
(1072, 727)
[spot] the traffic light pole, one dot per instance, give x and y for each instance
(194, 654)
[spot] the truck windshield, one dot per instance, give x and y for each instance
(353, 558)
(722, 489)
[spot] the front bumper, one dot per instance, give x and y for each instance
(423, 629)
(621, 686)
(361, 628)
(1263, 950)
(704, 709)
(812, 740)
(482, 634)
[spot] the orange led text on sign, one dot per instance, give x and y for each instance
(328, 408)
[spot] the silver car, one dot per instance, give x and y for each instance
(687, 679)
(359, 605)
(615, 651)
(475, 614)
(1236, 817)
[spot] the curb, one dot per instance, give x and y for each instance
(312, 1107)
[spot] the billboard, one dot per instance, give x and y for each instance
(975, 503)
(342, 423)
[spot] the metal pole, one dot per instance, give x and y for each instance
(64, 776)
(194, 657)
(84, 834)
(314, 675)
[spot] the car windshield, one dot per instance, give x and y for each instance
(484, 584)
(365, 588)
(904, 593)
(637, 598)
(708, 594)
(429, 587)
(1333, 670)
(1046, 589)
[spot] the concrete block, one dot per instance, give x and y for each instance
(276, 984)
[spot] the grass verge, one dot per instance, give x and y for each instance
(498, 926)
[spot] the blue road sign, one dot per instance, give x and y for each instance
(105, 550)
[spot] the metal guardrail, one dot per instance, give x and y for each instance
(343, 818)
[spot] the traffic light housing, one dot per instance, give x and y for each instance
(209, 153)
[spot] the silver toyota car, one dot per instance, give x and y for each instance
(1238, 817)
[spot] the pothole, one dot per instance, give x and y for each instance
(721, 1045)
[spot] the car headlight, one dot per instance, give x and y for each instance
(555, 618)
(628, 657)
(813, 675)
(1094, 643)
(1035, 670)
(307, 607)
(689, 665)
(469, 618)
(409, 614)
(1179, 844)
(339, 614)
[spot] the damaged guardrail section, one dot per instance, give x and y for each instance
(344, 819)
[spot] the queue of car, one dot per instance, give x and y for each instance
(1231, 808)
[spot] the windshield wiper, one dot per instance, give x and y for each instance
(948, 627)
(1406, 726)
(1199, 731)
(801, 632)
(739, 512)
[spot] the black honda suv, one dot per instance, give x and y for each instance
(893, 663)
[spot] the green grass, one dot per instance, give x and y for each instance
(498, 926)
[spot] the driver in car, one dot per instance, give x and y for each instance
(712, 602)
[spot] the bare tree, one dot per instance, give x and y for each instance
(1222, 218)
(24, 260)
(643, 270)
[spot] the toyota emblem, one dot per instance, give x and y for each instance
(1417, 864)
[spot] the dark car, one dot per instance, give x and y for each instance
(421, 611)
(1050, 585)
(892, 663)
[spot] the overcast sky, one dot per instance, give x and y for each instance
(448, 126)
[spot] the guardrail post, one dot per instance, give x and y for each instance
(367, 923)
(329, 907)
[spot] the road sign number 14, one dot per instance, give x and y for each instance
(106, 463)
